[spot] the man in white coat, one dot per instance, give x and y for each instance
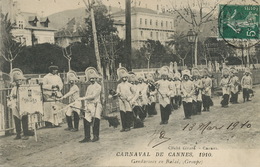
(234, 85)
(206, 91)
(246, 84)
(13, 103)
(125, 92)
(73, 95)
(93, 107)
(225, 84)
(187, 88)
(164, 93)
(52, 86)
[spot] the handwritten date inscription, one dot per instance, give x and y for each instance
(202, 127)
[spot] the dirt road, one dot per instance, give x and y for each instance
(236, 127)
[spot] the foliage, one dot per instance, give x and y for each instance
(37, 59)
(104, 24)
(159, 55)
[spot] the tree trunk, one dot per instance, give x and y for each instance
(196, 51)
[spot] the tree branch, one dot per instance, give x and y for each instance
(181, 15)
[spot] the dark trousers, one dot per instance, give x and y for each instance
(234, 97)
(187, 107)
(143, 112)
(151, 109)
(126, 118)
(245, 94)
(196, 107)
(178, 100)
(225, 99)
(165, 112)
(137, 111)
(95, 127)
(206, 101)
(76, 120)
(18, 127)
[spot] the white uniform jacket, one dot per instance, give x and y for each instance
(198, 90)
(178, 87)
(207, 85)
(73, 95)
(234, 84)
(93, 105)
(126, 94)
(225, 84)
(49, 80)
(246, 82)
(13, 102)
(173, 89)
(164, 92)
(187, 88)
(142, 93)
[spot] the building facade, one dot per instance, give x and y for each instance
(146, 24)
(28, 28)
(31, 29)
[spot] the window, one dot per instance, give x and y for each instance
(151, 22)
(166, 24)
(167, 35)
(162, 23)
(157, 7)
(157, 35)
(20, 24)
(171, 24)
(145, 21)
(156, 23)
(141, 21)
(151, 35)
(141, 33)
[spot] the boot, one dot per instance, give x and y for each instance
(85, 140)
(96, 138)
(18, 136)
(69, 122)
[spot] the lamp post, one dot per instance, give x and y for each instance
(192, 40)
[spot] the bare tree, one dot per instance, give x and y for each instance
(10, 48)
(195, 13)
(67, 53)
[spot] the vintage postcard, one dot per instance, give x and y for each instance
(162, 113)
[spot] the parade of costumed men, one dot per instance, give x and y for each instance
(197, 98)
(52, 86)
(206, 90)
(125, 93)
(13, 103)
(247, 84)
(225, 84)
(152, 93)
(188, 89)
(164, 94)
(234, 85)
(74, 110)
(93, 106)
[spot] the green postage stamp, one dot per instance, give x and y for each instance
(239, 21)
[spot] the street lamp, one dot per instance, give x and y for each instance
(192, 39)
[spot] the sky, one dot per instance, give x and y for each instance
(53, 6)
(47, 7)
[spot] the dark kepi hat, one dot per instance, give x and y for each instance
(53, 67)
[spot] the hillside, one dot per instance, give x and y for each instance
(60, 19)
